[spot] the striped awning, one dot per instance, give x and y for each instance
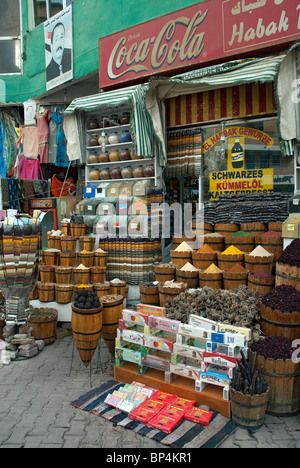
(132, 97)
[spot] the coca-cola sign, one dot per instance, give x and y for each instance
(202, 33)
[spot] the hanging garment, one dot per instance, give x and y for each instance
(73, 141)
(62, 189)
(17, 167)
(13, 195)
(52, 142)
(10, 139)
(62, 159)
(28, 193)
(30, 139)
(42, 117)
(31, 169)
(5, 194)
(2, 162)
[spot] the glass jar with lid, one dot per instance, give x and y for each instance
(93, 140)
(104, 121)
(104, 157)
(114, 155)
(125, 136)
(113, 138)
(138, 172)
(124, 154)
(93, 158)
(116, 173)
(103, 138)
(127, 172)
(93, 123)
(125, 118)
(149, 170)
(94, 174)
(113, 120)
(105, 173)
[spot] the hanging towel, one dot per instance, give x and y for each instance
(30, 169)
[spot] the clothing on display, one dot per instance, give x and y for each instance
(17, 167)
(30, 141)
(42, 118)
(62, 188)
(13, 195)
(8, 145)
(72, 136)
(62, 159)
(31, 169)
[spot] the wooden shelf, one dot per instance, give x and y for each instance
(128, 162)
(115, 128)
(122, 180)
(212, 395)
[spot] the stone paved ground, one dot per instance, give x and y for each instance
(35, 410)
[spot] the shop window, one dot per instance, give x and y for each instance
(245, 158)
(45, 9)
(10, 37)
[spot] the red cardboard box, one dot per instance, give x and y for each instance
(163, 396)
(142, 414)
(164, 423)
(183, 403)
(198, 415)
(173, 411)
(155, 405)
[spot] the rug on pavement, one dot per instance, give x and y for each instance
(187, 435)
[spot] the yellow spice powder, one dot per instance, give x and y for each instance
(232, 250)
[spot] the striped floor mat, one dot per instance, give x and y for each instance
(186, 435)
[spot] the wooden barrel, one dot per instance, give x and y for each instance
(283, 379)
(87, 243)
(54, 242)
(181, 258)
(149, 294)
(98, 274)
(212, 280)
(112, 313)
(2, 325)
(79, 287)
(100, 258)
(47, 274)
(81, 276)
(117, 288)
(166, 292)
(272, 244)
(102, 289)
(191, 278)
(85, 258)
(256, 229)
(191, 241)
(86, 328)
(243, 243)
(44, 324)
(63, 275)
(277, 227)
(200, 229)
(248, 411)
(68, 243)
(77, 230)
(260, 285)
(64, 293)
(65, 228)
(67, 259)
(46, 291)
(234, 280)
(287, 274)
(35, 293)
(203, 260)
(216, 243)
(165, 272)
(225, 262)
(253, 263)
(226, 229)
(51, 258)
(278, 323)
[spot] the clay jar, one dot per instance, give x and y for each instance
(114, 156)
(125, 118)
(104, 157)
(113, 138)
(124, 154)
(103, 138)
(116, 173)
(93, 123)
(93, 139)
(149, 171)
(94, 174)
(105, 173)
(138, 172)
(93, 158)
(125, 136)
(127, 172)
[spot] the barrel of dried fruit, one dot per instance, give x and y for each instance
(149, 294)
(170, 291)
(288, 265)
(112, 313)
(86, 329)
(282, 374)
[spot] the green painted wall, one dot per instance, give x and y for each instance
(92, 19)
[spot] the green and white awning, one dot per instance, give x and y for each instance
(132, 97)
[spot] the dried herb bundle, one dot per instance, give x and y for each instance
(247, 379)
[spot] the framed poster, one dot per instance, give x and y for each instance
(58, 32)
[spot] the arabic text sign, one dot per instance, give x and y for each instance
(201, 33)
(239, 182)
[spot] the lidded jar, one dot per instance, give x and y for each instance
(116, 173)
(93, 123)
(104, 157)
(125, 118)
(113, 121)
(103, 138)
(125, 136)
(93, 140)
(93, 158)
(105, 173)
(127, 172)
(113, 138)
(124, 154)
(104, 121)
(138, 172)
(94, 174)
(114, 156)
(149, 170)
